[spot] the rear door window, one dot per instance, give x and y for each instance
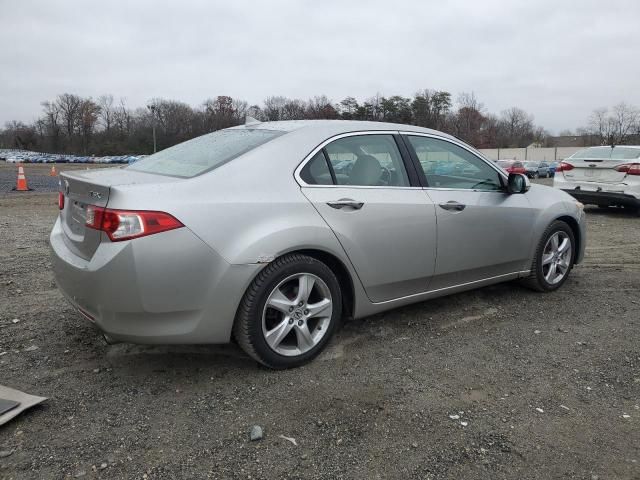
(204, 153)
(367, 160)
(316, 171)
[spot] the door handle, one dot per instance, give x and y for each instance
(345, 202)
(452, 206)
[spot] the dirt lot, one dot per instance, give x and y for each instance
(545, 386)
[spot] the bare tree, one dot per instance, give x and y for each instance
(88, 112)
(469, 119)
(122, 118)
(51, 125)
(240, 108)
(293, 110)
(616, 127)
(107, 111)
(625, 120)
(273, 108)
(516, 128)
(69, 107)
(320, 107)
(599, 124)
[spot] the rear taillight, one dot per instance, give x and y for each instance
(60, 200)
(127, 224)
(564, 167)
(629, 168)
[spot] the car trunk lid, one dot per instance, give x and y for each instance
(82, 188)
(595, 170)
(599, 164)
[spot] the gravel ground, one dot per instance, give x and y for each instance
(38, 176)
(495, 383)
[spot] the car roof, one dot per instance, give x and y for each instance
(336, 127)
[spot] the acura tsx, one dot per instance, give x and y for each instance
(271, 233)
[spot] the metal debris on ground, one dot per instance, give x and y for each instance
(24, 401)
(289, 439)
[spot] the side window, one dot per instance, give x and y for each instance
(367, 160)
(316, 171)
(447, 165)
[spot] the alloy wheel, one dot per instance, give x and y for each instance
(297, 314)
(556, 257)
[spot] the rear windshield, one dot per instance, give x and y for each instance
(606, 153)
(204, 153)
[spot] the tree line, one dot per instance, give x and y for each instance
(106, 126)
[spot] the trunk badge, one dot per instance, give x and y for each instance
(93, 194)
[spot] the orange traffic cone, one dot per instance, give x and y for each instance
(53, 172)
(21, 184)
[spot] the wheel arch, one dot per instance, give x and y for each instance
(337, 266)
(340, 270)
(575, 229)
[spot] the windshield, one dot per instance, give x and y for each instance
(502, 163)
(531, 164)
(606, 153)
(204, 153)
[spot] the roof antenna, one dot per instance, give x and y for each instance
(251, 121)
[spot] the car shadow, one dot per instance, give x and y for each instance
(220, 360)
(142, 359)
(611, 211)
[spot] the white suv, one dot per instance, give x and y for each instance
(604, 176)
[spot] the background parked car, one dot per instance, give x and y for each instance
(603, 176)
(536, 169)
(511, 166)
(552, 168)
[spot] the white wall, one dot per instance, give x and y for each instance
(541, 154)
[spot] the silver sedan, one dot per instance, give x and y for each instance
(274, 232)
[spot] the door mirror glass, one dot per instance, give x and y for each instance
(518, 183)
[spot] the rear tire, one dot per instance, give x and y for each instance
(553, 258)
(289, 312)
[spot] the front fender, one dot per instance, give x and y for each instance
(554, 204)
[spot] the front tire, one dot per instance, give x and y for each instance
(553, 259)
(289, 312)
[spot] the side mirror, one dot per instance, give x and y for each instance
(518, 183)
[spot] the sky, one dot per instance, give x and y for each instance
(557, 59)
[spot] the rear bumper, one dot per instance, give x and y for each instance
(165, 288)
(604, 198)
(600, 193)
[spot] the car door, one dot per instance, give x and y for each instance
(483, 232)
(360, 185)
